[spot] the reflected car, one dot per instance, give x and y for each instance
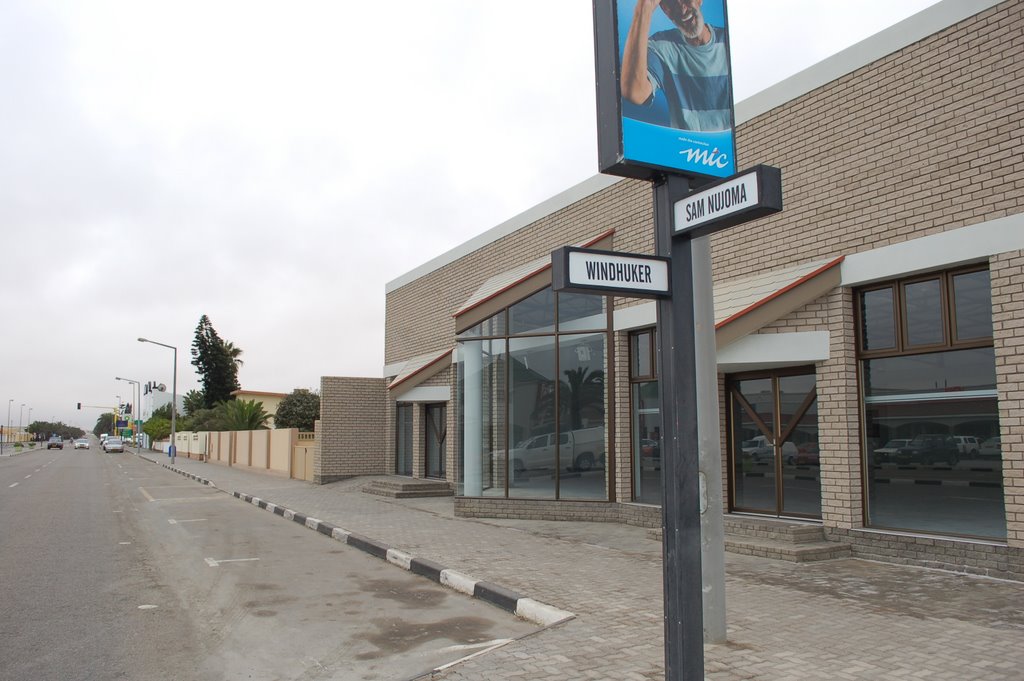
(81, 443)
(55, 442)
(991, 447)
(650, 453)
(890, 450)
(113, 444)
(967, 444)
(806, 454)
(930, 448)
(758, 448)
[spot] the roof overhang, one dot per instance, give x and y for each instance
(419, 369)
(514, 285)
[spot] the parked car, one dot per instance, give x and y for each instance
(806, 454)
(113, 444)
(55, 442)
(967, 444)
(930, 448)
(650, 454)
(81, 443)
(890, 450)
(991, 447)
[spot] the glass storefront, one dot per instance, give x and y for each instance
(533, 400)
(931, 418)
(403, 439)
(646, 419)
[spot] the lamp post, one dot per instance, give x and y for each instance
(21, 414)
(174, 395)
(135, 409)
(9, 403)
(28, 424)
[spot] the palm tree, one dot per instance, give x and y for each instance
(234, 352)
(242, 415)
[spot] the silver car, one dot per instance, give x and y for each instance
(113, 444)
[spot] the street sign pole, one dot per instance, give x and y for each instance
(683, 599)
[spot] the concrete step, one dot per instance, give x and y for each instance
(408, 488)
(795, 532)
(780, 550)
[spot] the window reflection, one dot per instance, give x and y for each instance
(878, 320)
(924, 312)
(973, 295)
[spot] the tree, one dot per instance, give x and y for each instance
(156, 428)
(234, 352)
(242, 415)
(298, 410)
(44, 429)
(192, 402)
(104, 424)
(216, 367)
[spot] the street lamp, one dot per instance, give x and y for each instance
(21, 414)
(174, 395)
(135, 409)
(9, 403)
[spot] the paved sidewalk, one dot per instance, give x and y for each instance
(843, 619)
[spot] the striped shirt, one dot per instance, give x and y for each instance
(693, 78)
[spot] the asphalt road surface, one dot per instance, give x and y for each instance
(114, 568)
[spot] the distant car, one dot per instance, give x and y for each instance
(967, 444)
(55, 442)
(113, 444)
(930, 448)
(81, 443)
(890, 450)
(992, 447)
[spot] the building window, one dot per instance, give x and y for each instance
(403, 439)
(645, 406)
(931, 418)
(533, 400)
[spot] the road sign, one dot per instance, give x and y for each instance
(743, 197)
(584, 270)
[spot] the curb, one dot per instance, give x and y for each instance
(497, 595)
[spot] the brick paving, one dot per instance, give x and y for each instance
(841, 619)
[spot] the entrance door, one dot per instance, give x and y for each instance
(403, 439)
(437, 430)
(774, 443)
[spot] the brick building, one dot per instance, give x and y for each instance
(869, 336)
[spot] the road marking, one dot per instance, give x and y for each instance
(28, 476)
(124, 543)
(146, 494)
(148, 607)
(216, 563)
(172, 521)
(14, 485)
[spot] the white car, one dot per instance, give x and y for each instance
(81, 443)
(967, 444)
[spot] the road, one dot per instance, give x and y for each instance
(114, 568)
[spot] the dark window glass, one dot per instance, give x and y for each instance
(535, 314)
(532, 406)
(493, 326)
(972, 296)
(403, 439)
(878, 315)
(646, 443)
(936, 466)
(923, 302)
(641, 366)
(581, 448)
(581, 312)
(936, 372)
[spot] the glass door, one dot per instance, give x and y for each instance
(436, 431)
(774, 442)
(403, 439)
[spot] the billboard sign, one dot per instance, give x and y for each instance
(664, 88)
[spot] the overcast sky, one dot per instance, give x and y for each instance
(273, 164)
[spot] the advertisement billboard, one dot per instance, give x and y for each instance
(664, 88)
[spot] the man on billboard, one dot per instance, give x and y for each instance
(687, 64)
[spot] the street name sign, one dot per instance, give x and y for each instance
(743, 197)
(584, 270)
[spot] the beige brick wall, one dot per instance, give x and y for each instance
(1007, 272)
(353, 416)
(923, 141)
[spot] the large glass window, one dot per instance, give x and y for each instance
(931, 418)
(403, 439)
(646, 420)
(532, 402)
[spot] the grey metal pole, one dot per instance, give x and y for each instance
(174, 396)
(712, 519)
(684, 635)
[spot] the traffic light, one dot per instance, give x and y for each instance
(79, 406)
